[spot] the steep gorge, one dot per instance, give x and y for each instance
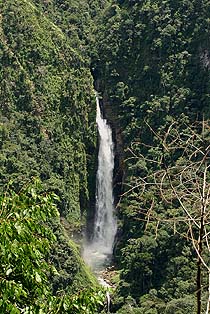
(150, 63)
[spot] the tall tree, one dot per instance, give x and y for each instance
(182, 184)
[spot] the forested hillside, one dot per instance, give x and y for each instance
(48, 132)
(150, 62)
(47, 105)
(153, 72)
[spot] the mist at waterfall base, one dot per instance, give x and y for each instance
(98, 252)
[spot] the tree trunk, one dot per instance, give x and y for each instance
(199, 263)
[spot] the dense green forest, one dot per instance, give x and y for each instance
(48, 133)
(153, 70)
(150, 62)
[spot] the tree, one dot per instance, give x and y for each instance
(181, 183)
(25, 243)
(26, 240)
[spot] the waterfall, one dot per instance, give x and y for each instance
(105, 222)
(98, 253)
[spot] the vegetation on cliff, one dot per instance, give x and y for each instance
(47, 113)
(153, 67)
(29, 268)
(150, 61)
(47, 131)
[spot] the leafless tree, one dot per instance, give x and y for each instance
(184, 180)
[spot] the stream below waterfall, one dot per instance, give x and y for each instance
(98, 252)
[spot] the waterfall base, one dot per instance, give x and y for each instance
(97, 258)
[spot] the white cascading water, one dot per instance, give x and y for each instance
(98, 253)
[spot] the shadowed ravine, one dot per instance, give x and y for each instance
(98, 252)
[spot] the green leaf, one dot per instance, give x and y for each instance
(9, 271)
(18, 228)
(38, 278)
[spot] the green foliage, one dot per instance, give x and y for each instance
(185, 305)
(70, 273)
(25, 243)
(87, 302)
(137, 259)
(28, 263)
(47, 126)
(151, 58)
(153, 73)
(47, 130)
